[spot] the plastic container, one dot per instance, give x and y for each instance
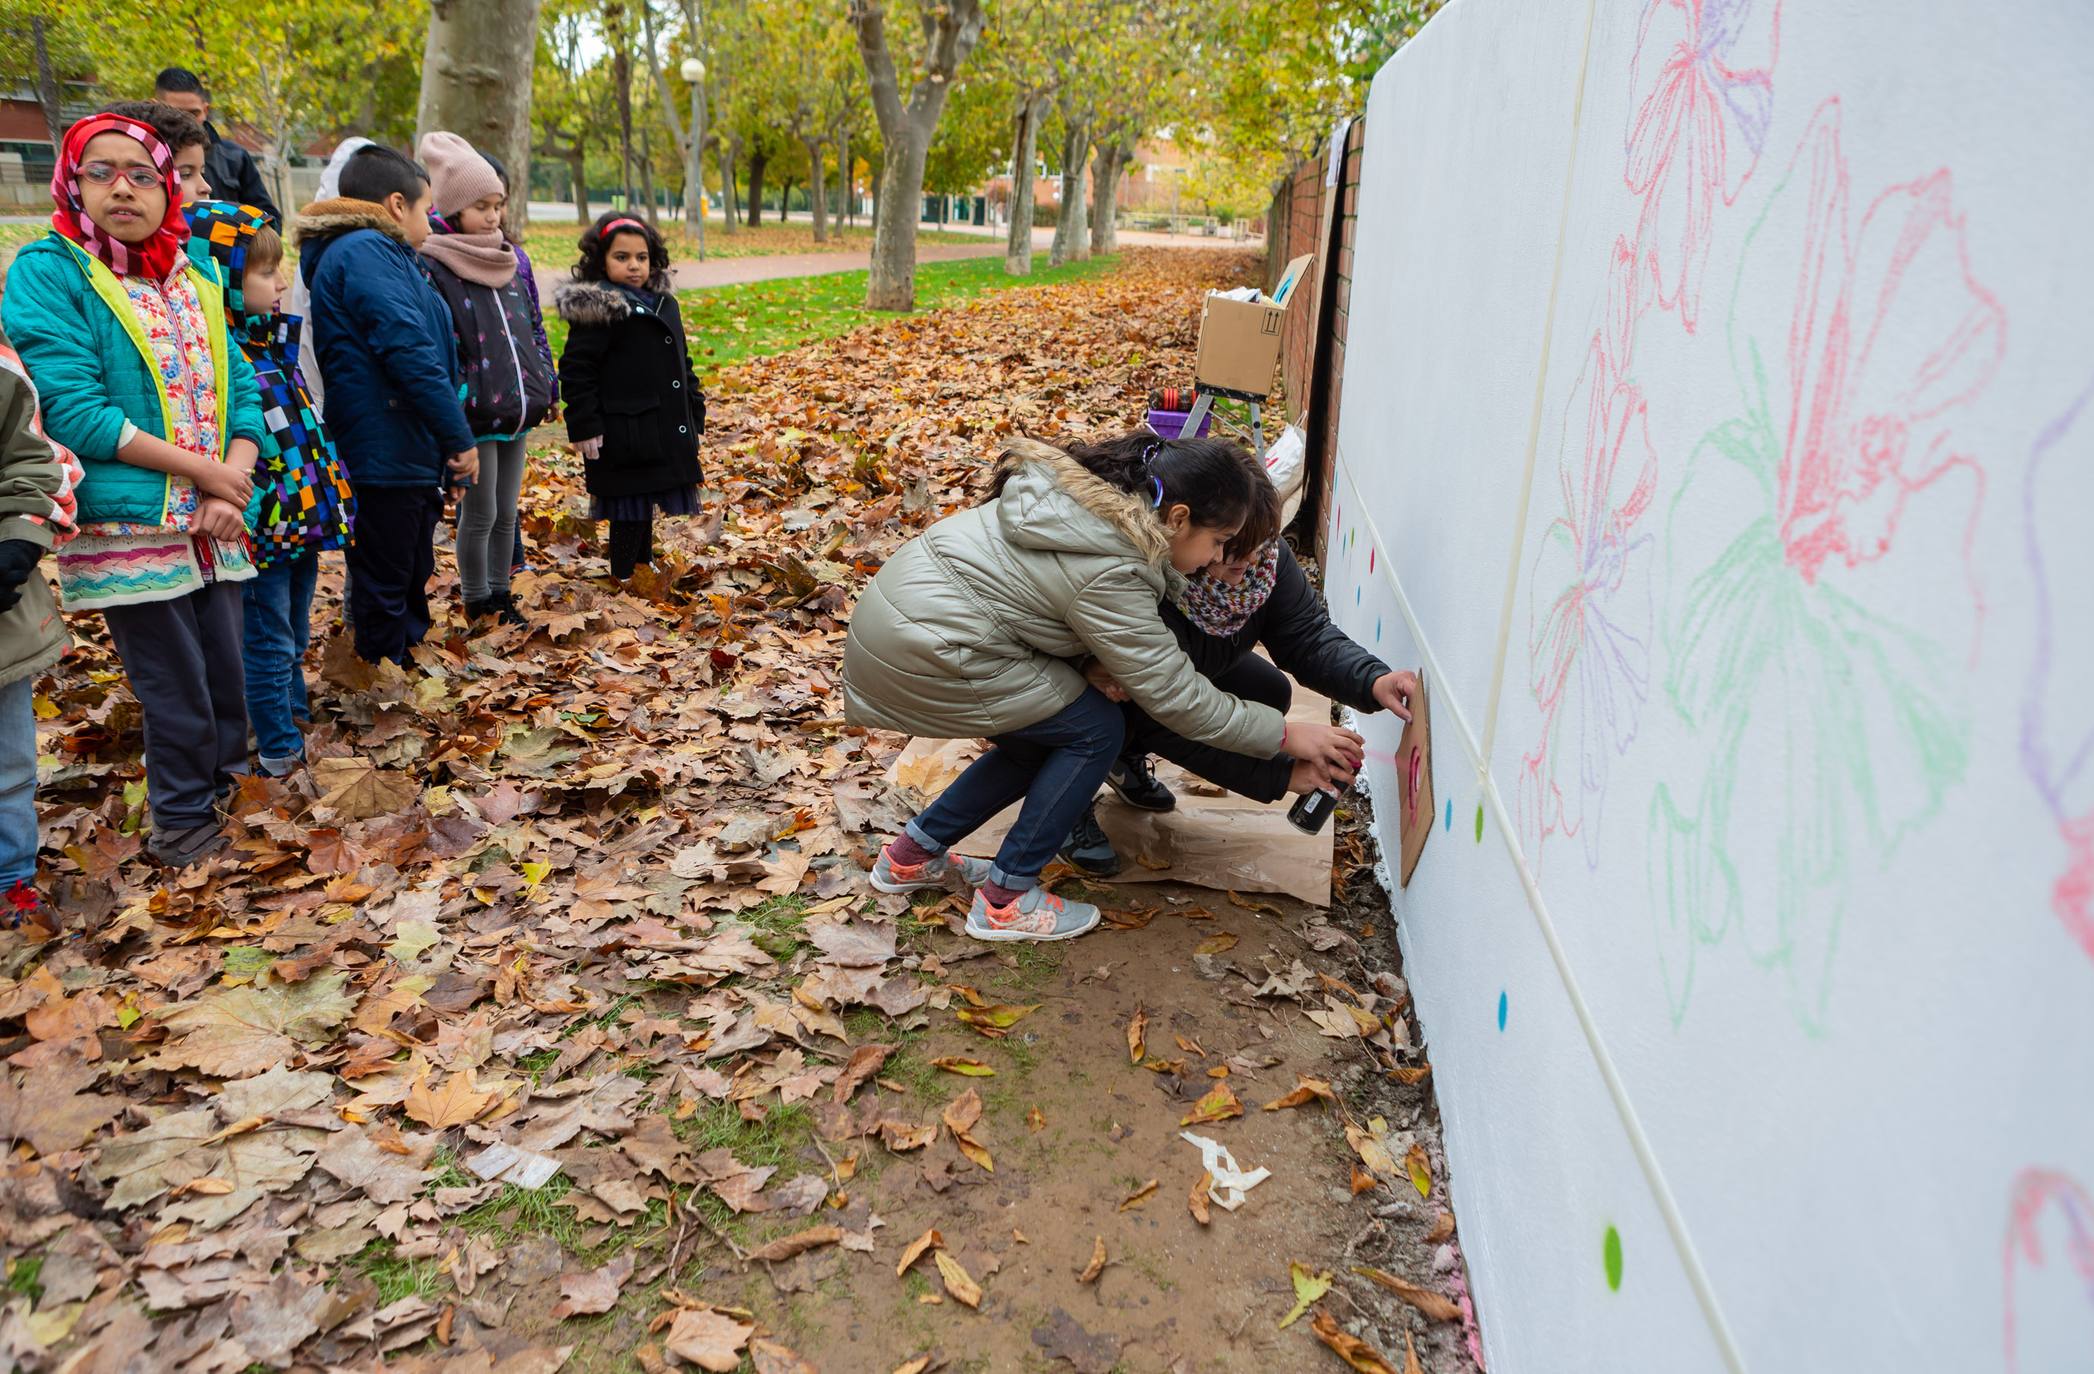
(1170, 424)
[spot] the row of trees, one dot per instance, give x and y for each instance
(664, 96)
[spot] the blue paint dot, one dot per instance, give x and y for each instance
(1450, 815)
(1377, 629)
(1356, 596)
(1501, 1010)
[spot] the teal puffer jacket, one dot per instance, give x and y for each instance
(93, 366)
(978, 625)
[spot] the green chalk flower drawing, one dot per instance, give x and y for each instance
(1822, 688)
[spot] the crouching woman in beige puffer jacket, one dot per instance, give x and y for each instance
(981, 626)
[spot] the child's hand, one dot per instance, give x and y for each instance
(1095, 673)
(1396, 691)
(466, 466)
(221, 519)
(590, 449)
(1332, 748)
(233, 485)
(1310, 777)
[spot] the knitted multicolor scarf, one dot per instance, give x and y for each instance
(306, 501)
(152, 259)
(1221, 610)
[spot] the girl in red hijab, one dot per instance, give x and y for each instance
(127, 340)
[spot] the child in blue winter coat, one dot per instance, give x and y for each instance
(383, 336)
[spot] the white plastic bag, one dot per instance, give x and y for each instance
(1287, 463)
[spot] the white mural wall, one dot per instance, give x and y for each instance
(1720, 439)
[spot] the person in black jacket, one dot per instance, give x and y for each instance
(228, 167)
(634, 410)
(1256, 595)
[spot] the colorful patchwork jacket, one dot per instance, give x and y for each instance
(304, 491)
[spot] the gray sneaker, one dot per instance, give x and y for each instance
(889, 876)
(1037, 915)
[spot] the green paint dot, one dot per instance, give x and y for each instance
(1479, 822)
(1612, 1255)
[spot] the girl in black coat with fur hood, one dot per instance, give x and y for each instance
(634, 411)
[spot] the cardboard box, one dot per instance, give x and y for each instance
(1240, 340)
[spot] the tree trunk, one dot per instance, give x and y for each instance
(694, 187)
(1105, 196)
(817, 190)
(730, 154)
(757, 159)
(785, 200)
(1069, 241)
(476, 82)
(578, 177)
(1017, 249)
(647, 180)
(951, 30)
(48, 97)
(846, 181)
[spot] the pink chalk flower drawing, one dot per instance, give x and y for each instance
(2057, 725)
(2053, 1281)
(1701, 98)
(1826, 695)
(1591, 608)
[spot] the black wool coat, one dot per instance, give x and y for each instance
(626, 376)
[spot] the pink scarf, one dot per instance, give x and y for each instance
(482, 259)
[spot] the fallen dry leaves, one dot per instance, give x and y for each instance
(1435, 1306)
(1092, 1270)
(1359, 1356)
(545, 900)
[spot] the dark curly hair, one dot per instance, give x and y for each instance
(1261, 520)
(596, 247)
(178, 129)
(1211, 478)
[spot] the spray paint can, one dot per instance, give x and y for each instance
(1314, 809)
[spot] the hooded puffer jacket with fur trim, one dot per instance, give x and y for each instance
(626, 375)
(978, 625)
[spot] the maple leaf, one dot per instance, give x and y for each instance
(457, 1102)
(708, 1339)
(360, 790)
(234, 1032)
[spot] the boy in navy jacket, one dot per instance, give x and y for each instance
(390, 367)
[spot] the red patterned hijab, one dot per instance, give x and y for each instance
(154, 258)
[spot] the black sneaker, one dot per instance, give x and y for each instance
(1135, 780)
(1088, 847)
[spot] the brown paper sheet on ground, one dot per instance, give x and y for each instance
(1414, 777)
(1215, 841)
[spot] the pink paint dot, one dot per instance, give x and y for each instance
(1370, 560)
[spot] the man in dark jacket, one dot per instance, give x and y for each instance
(227, 166)
(385, 347)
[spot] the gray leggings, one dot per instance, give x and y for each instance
(487, 520)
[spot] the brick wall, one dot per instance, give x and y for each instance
(1312, 350)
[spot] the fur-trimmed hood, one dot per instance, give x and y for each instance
(1052, 502)
(327, 219)
(591, 303)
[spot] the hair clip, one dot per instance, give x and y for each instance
(1156, 485)
(1150, 450)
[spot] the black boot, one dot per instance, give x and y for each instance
(505, 610)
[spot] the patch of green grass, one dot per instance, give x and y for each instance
(777, 924)
(731, 324)
(447, 1172)
(22, 1276)
(1021, 1052)
(396, 1276)
(776, 1140)
(537, 1062)
(515, 1212)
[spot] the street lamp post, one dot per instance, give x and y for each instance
(694, 179)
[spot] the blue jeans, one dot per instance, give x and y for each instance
(1057, 765)
(17, 784)
(276, 625)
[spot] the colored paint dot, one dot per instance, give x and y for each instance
(1479, 822)
(1356, 596)
(1450, 814)
(1501, 1009)
(1377, 629)
(1370, 560)
(1611, 1253)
